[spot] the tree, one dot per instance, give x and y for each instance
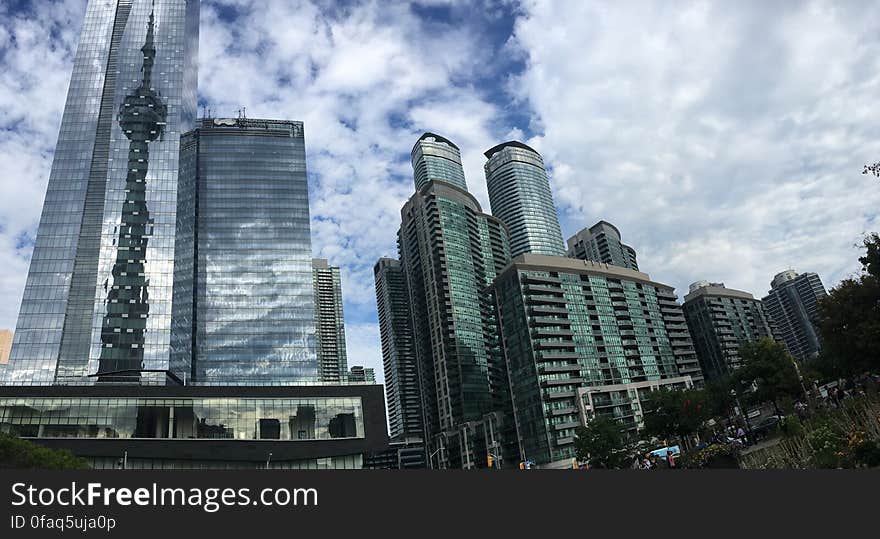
(602, 444)
(677, 412)
(768, 367)
(850, 319)
(18, 453)
(718, 396)
(871, 260)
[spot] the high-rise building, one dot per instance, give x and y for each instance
(329, 321)
(398, 352)
(601, 243)
(520, 195)
(359, 373)
(435, 158)
(451, 252)
(170, 262)
(5, 345)
(721, 320)
(793, 304)
(244, 255)
(583, 339)
(98, 297)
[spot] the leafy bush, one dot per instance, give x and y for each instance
(790, 426)
(827, 445)
(18, 453)
(862, 452)
(711, 456)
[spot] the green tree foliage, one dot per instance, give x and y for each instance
(768, 367)
(678, 413)
(871, 260)
(602, 444)
(850, 324)
(18, 453)
(718, 396)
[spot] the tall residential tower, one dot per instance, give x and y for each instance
(451, 252)
(519, 193)
(398, 352)
(721, 320)
(329, 321)
(436, 158)
(793, 303)
(601, 243)
(583, 339)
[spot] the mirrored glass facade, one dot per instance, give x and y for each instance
(99, 291)
(520, 196)
(245, 255)
(230, 418)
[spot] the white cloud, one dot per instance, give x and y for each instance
(725, 139)
(36, 55)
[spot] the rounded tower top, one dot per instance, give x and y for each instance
(783, 277)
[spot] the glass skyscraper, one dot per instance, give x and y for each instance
(437, 158)
(171, 257)
(244, 255)
(520, 195)
(98, 296)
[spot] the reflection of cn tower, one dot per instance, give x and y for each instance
(142, 119)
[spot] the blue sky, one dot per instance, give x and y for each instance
(726, 140)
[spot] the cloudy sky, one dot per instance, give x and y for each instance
(725, 139)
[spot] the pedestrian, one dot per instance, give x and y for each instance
(670, 459)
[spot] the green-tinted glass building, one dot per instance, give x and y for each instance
(583, 338)
(601, 243)
(721, 320)
(451, 252)
(436, 158)
(519, 193)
